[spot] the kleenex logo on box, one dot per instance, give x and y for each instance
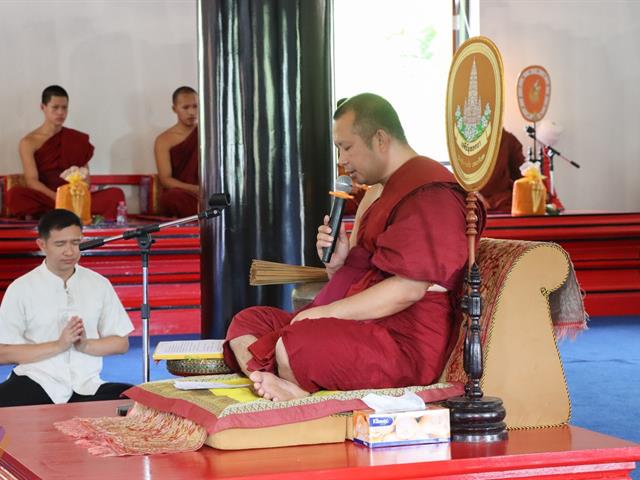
(380, 421)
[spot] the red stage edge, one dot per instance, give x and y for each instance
(33, 448)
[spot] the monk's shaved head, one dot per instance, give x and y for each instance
(53, 91)
(372, 112)
(180, 90)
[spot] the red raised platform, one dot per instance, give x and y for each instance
(33, 448)
(174, 270)
(604, 248)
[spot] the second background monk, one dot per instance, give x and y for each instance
(176, 152)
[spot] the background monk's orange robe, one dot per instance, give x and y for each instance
(498, 192)
(176, 202)
(65, 149)
(415, 230)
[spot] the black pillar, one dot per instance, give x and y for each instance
(265, 119)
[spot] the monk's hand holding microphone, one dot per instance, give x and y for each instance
(332, 248)
(332, 242)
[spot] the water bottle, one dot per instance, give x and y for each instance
(121, 214)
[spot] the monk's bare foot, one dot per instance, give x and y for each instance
(272, 387)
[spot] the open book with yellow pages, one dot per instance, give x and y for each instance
(188, 349)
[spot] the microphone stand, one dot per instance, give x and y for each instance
(532, 133)
(551, 153)
(143, 236)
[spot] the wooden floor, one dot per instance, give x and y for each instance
(33, 448)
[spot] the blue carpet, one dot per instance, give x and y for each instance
(602, 366)
(128, 368)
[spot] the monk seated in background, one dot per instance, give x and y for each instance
(384, 318)
(498, 192)
(176, 152)
(48, 151)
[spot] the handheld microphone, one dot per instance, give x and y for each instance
(343, 184)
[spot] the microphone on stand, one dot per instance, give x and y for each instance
(219, 200)
(342, 186)
(531, 131)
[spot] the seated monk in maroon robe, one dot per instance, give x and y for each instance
(498, 191)
(384, 318)
(48, 151)
(176, 152)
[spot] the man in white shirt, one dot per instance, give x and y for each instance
(58, 321)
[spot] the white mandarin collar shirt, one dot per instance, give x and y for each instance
(35, 309)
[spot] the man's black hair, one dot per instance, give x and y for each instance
(56, 220)
(53, 91)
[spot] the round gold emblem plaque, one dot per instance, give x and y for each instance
(534, 90)
(475, 100)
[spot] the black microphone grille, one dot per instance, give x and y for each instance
(343, 184)
(219, 200)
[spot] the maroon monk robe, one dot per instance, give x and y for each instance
(65, 149)
(416, 230)
(498, 191)
(176, 202)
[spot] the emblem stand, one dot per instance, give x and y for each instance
(474, 417)
(475, 102)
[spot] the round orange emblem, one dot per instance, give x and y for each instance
(534, 90)
(475, 101)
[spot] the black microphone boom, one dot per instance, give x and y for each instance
(531, 131)
(343, 184)
(217, 202)
(95, 243)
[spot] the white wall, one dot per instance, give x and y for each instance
(590, 49)
(120, 60)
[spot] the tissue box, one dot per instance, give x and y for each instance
(379, 429)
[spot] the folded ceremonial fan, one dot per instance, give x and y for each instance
(273, 273)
